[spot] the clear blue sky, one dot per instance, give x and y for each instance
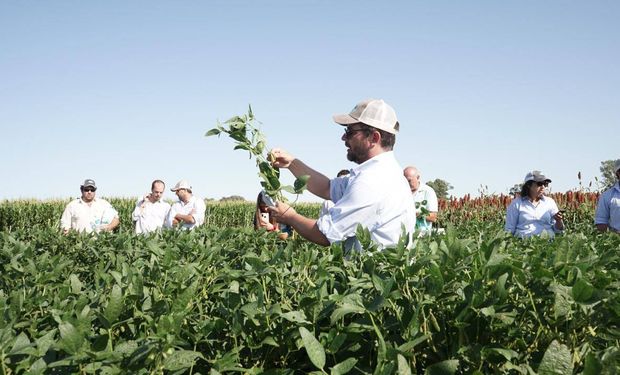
(123, 91)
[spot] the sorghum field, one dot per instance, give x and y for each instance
(226, 299)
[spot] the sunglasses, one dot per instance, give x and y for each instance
(89, 189)
(348, 132)
(542, 183)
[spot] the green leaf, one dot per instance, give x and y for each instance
(300, 183)
(592, 365)
(71, 339)
(45, 342)
(582, 291)
(500, 287)
(21, 343)
(340, 312)
(295, 317)
(344, 366)
(38, 367)
(214, 131)
(181, 359)
(557, 360)
(76, 284)
(447, 367)
(403, 366)
(313, 348)
(507, 354)
(115, 305)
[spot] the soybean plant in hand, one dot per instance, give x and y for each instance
(247, 136)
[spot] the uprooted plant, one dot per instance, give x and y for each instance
(243, 130)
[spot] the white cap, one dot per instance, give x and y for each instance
(372, 112)
(183, 184)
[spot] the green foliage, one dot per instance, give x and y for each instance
(474, 300)
(242, 130)
(441, 187)
(608, 175)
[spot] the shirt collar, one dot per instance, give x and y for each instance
(370, 162)
(82, 201)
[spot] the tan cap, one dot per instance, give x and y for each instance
(183, 184)
(372, 112)
(536, 176)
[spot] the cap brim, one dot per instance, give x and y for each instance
(344, 119)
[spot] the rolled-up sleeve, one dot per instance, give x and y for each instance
(351, 208)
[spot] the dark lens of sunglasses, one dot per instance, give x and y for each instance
(542, 183)
(90, 190)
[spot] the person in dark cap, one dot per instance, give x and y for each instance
(89, 213)
(533, 213)
(607, 216)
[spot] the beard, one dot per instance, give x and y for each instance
(356, 154)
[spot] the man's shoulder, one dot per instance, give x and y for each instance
(427, 188)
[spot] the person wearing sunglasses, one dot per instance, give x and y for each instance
(374, 195)
(607, 216)
(533, 213)
(89, 213)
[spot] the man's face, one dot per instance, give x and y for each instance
(413, 178)
(88, 193)
(355, 138)
(182, 194)
(157, 192)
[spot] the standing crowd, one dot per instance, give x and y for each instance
(91, 214)
(373, 195)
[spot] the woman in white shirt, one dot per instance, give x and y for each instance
(533, 213)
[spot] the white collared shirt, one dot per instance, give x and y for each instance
(608, 208)
(425, 193)
(87, 217)
(375, 195)
(524, 219)
(195, 205)
(149, 216)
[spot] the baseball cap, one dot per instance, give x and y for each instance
(372, 112)
(183, 184)
(536, 176)
(617, 165)
(89, 182)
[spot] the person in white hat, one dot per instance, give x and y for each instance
(533, 213)
(189, 211)
(374, 195)
(150, 212)
(607, 214)
(89, 213)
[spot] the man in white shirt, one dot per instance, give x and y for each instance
(88, 213)
(150, 212)
(374, 195)
(189, 211)
(425, 199)
(607, 214)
